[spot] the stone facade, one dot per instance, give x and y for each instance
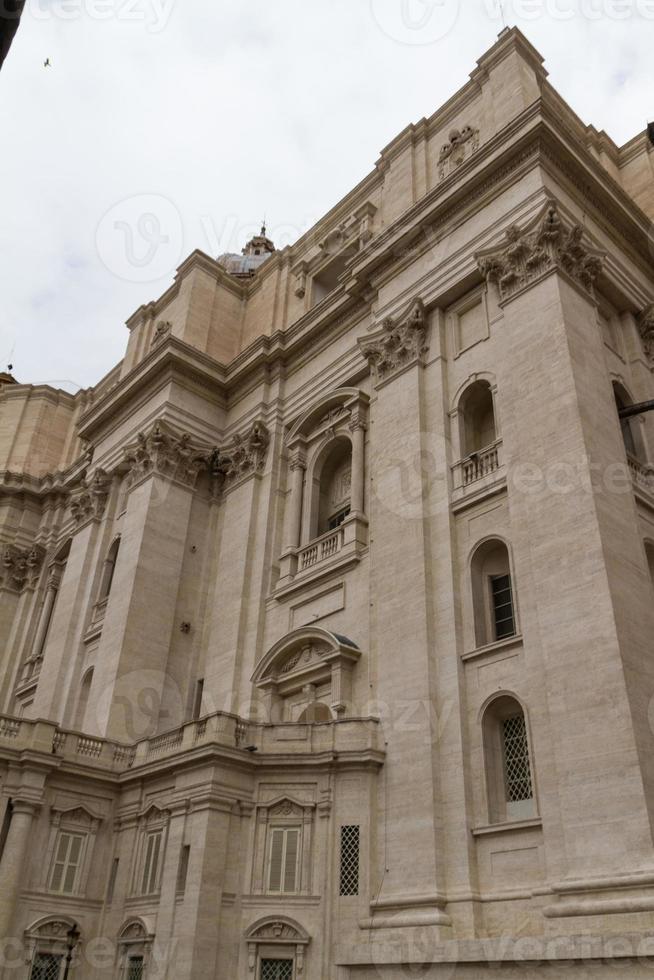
(327, 614)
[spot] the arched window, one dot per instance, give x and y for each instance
(333, 482)
(477, 418)
(108, 570)
(649, 553)
(631, 435)
(509, 771)
(83, 700)
(492, 593)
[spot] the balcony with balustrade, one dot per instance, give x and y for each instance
(221, 731)
(642, 479)
(478, 475)
(336, 548)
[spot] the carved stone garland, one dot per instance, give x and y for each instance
(525, 255)
(89, 498)
(646, 328)
(21, 567)
(244, 457)
(398, 343)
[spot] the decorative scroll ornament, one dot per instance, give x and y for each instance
(398, 343)
(245, 456)
(526, 255)
(89, 498)
(21, 567)
(166, 454)
(646, 328)
(461, 143)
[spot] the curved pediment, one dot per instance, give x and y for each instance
(277, 929)
(331, 408)
(302, 651)
(55, 927)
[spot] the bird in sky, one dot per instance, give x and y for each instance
(46, 63)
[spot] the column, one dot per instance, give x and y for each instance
(13, 857)
(358, 430)
(298, 463)
(52, 588)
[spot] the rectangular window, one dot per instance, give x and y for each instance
(112, 880)
(517, 773)
(135, 968)
(502, 606)
(349, 861)
(276, 970)
(197, 701)
(182, 870)
(152, 856)
(68, 858)
(46, 966)
(337, 519)
(284, 856)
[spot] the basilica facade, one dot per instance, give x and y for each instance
(326, 616)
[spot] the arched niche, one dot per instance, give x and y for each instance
(308, 666)
(325, 519)
(135, 939)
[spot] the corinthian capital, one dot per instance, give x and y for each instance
(397, 343)
(88, 499)
(21, 567)
(529, 252)
(646, 328)
(165, 453)
(245, 456)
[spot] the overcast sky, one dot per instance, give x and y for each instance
(167, 125)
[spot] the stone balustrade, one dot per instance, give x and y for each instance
(345, 736)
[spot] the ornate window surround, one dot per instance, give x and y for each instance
(341, 414)
(283, 812)
(307, 656)
(48, 935)
(277, 937)
(135, 938)
(74, 819)
(153, 819)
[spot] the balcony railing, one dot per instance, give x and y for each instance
(321, 548)
(642, 474)
(351, 735)
(472, 473)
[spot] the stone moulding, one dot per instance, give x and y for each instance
(244, 457)
(398, 343)
(89, 498)
(21, 567)
(528, 253)
(646, 329)
(277, 930)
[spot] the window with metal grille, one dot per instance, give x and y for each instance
(135, 968)
(46, 966)
(67, 861)
(349, 860)
(150, 876)
(502, 598)
(182, 869)
(276, 970)
(284, 860)
(517, 772)
(337, 519)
